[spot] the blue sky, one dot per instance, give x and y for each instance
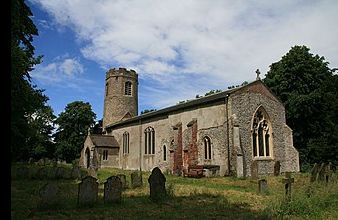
(178, 48)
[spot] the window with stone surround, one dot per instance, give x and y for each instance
(207, 148)
(127, 88)
(107, 88)
(149, 140)
(164, 153)
(261, 134)
(105, 155)
(125, 143)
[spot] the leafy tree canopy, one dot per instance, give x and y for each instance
(147, 111)
(308, 88)
(26, 99)
(73, 124)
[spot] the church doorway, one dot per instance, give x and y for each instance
(87, 158)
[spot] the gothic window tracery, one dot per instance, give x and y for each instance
(149, 141)
(261, 134)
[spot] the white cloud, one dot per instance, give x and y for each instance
(225, 40)
(64, 72)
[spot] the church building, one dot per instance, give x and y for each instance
(239, 132)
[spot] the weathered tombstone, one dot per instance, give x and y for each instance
(288, 182)
(136, 179)
(92, 172)
(157, 184)
(276, 170)
(76, 173)
(41, 162)
(321, 172)
(328, 172)
(60, 172)
(48, 194)
(262, 186)
(123, 179)
(88, 190)
(314, 172)
(112, 190)
(31, 160)
(254, 169)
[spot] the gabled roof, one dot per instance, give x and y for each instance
(195, 102)
(103, 140)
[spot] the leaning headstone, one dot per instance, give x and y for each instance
(87, 191)
(136, 179)
(123, 179)
(157, 185)
(48, 194)
(321, 172)
(112, 190)
(41, 162)
(314, 172)
(276, 170)
(254, 169)
(262, 186)
(287, 184)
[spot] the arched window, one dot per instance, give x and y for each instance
(164, 153)
(207, 148)
(125, 143)
(261, 134)
(149, 141)
(127, 88)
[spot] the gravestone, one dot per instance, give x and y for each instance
(321, 172)
(288, 183)
(262, 186)
(254, 169)
(41, 162)
(87, 191)
(136, 179)
(276, 170)
(123, 179)
(328, 173)
(157, 184)
(60, 172)
(48, 194)
(314, 172)
(76, 173)
(112, 190)
(31, 160)
(92, 172)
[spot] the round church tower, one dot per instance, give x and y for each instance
(121, 96)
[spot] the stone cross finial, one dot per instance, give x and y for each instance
(257, 76)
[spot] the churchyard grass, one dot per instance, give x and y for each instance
(204, 198)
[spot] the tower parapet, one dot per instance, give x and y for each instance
(121, 95)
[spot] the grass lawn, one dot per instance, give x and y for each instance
(205, 198)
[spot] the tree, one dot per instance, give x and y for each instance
(40, 135)
(308, 88)
(73, 124)
(147, 111)
(26, 99)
